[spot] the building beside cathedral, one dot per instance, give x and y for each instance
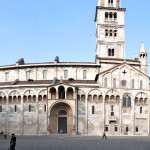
(111, 94)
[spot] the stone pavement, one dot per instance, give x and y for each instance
(77, 143)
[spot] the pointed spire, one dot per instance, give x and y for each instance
(142, 49)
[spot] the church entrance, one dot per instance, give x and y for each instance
(62, 124)
(61, 118)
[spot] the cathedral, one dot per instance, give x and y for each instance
(110, 95)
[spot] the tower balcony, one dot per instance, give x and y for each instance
(113, 119)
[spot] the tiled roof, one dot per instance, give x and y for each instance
(48, 82)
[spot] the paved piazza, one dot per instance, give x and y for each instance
(78, 143)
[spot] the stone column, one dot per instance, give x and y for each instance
(57, 97)
(86, 114)
(37, 115)
(76, 111)
(22, 114)
(133, 117)
(7, 114)
(121, 125)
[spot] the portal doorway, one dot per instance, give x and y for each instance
(62, 124)
(61, 117)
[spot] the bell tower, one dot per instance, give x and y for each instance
(110, 29)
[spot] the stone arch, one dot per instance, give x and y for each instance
(112, 96)
(2, 97)
(29, 96)
(70, 93)
(56, 120)
(141, 98)
(42, 96)
(52, 93)
(81, 93)
(61, 92)
(14, 96)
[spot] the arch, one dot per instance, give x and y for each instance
(45, 98)
(118, 98)
(126, 100)
(53, 93)
(83, 98)
(61, 91)
(90, 98)
(111, 33)
(95, 98)
(40, 98)
(112, 98)
(58, 112)
(107, 98)
(70, 93)
(2, 97)
(62, 112)
(110, 15)
(100, 97)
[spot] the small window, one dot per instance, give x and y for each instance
(112, 113)
(132, 83)
(15, 108)
(28, 75)
(141, 84)
(140, 110)
(114, 83)
(112, 108)
(127, 129)
(6, 78)
(65, 74)
(106, 128)
(116, 129)
(137, 130)
(45, 108)
(109, 52)
(105, 82)
(113, 52)
(0, 108)
(93, 110)
(44, 74)
(84, 74)
(29, 108)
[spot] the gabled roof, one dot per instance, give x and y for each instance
(119, 66)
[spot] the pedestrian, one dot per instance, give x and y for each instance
(13, 142)
(5, 134)
(104, 135)
(61, 132)
(1, 132)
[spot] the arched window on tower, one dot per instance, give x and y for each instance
(93, 110)
(44, 74)
(106, 32)
(106, 15)
(115, 33)
(110, 15)
(115, 16)
(111, 33)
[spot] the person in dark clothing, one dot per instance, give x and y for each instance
(104, 135)
(13, 142)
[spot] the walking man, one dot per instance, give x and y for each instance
(5, 134)
(104, 135)
(13, 142)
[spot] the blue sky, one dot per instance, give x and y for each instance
(39, 30)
